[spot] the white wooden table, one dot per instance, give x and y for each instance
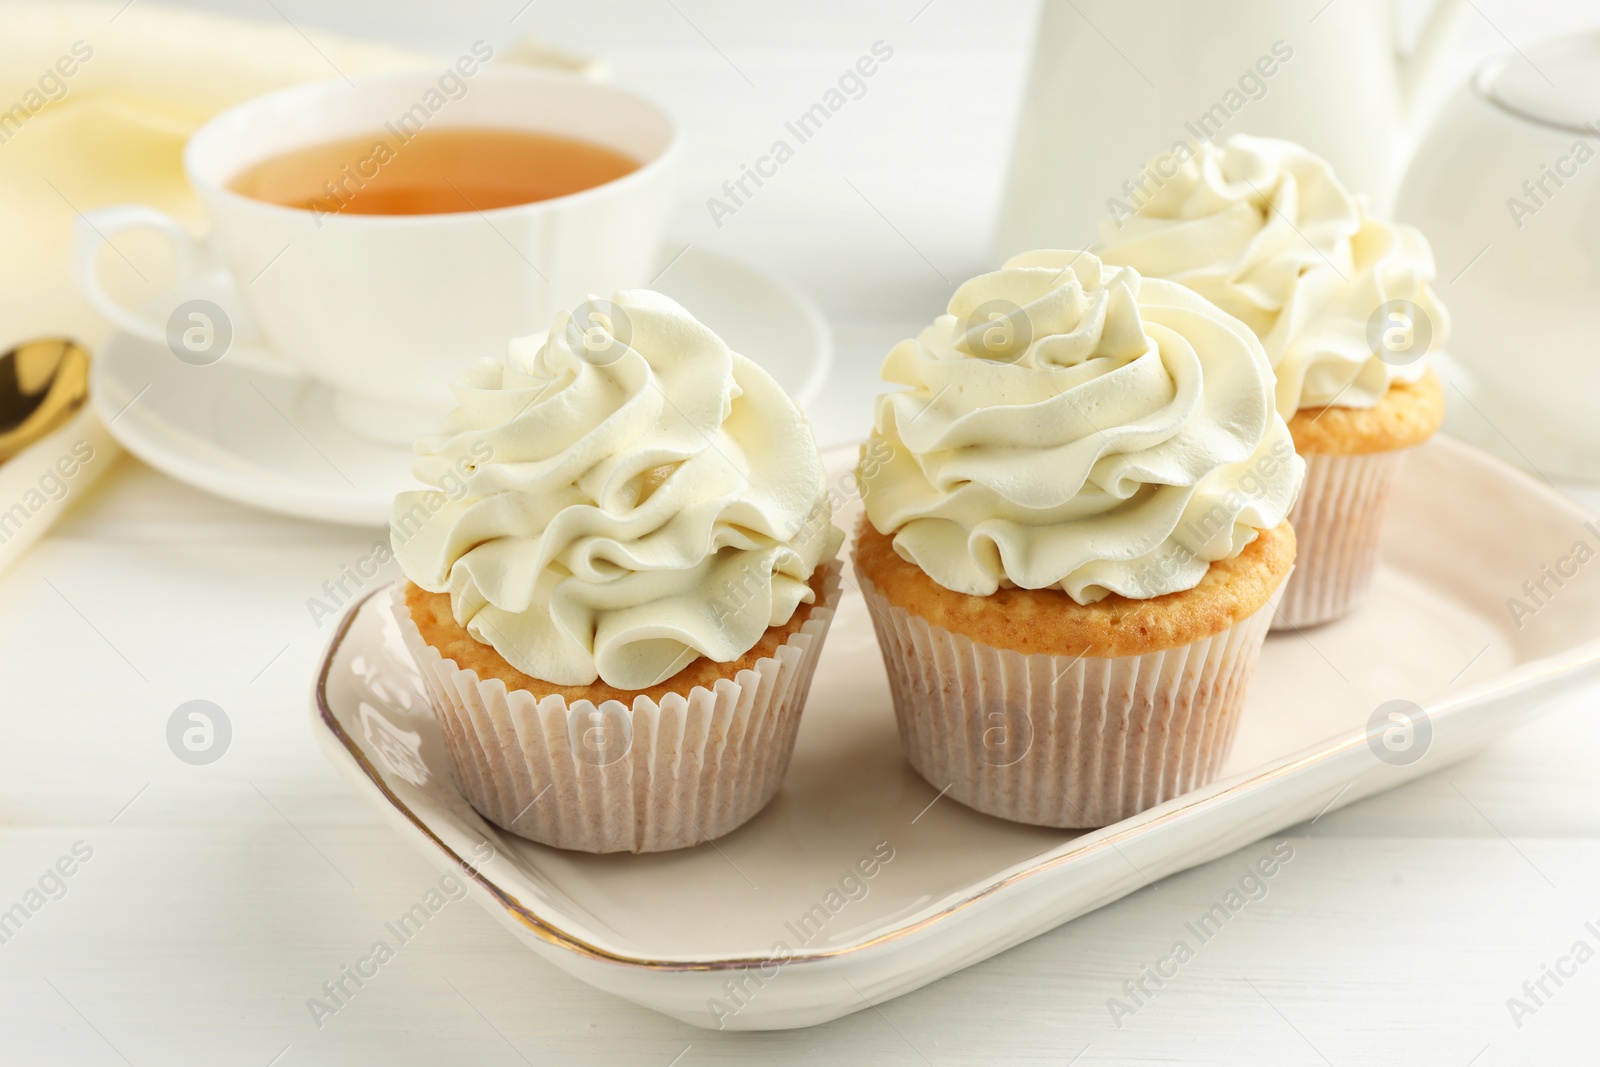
(218, 898)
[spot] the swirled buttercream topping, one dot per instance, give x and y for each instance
(1069, 424)
(617, 498)
(1262, 228)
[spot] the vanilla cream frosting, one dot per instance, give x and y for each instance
(1264, 229)
(1070, 424)
(617, 498)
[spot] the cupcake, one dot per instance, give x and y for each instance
(620, 583)
(1342, 304)
(1074, 538)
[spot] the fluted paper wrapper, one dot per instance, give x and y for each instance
(1338, 524)
(614, 778)
(1060, 740)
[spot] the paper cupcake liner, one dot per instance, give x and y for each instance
(611, 778)
(1338, 524)
(1059, 740)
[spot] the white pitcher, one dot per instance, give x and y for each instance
(1117, 82)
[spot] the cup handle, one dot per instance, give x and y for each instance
(93, 232)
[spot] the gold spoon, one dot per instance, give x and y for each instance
(43, 383)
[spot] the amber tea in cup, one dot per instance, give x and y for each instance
(431, 172)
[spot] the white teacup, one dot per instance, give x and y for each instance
(388, 309)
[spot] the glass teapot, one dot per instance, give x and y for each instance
(1506, 186)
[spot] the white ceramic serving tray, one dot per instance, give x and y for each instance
(698, 934)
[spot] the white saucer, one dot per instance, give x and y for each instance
(696, 934)
(275, 443)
